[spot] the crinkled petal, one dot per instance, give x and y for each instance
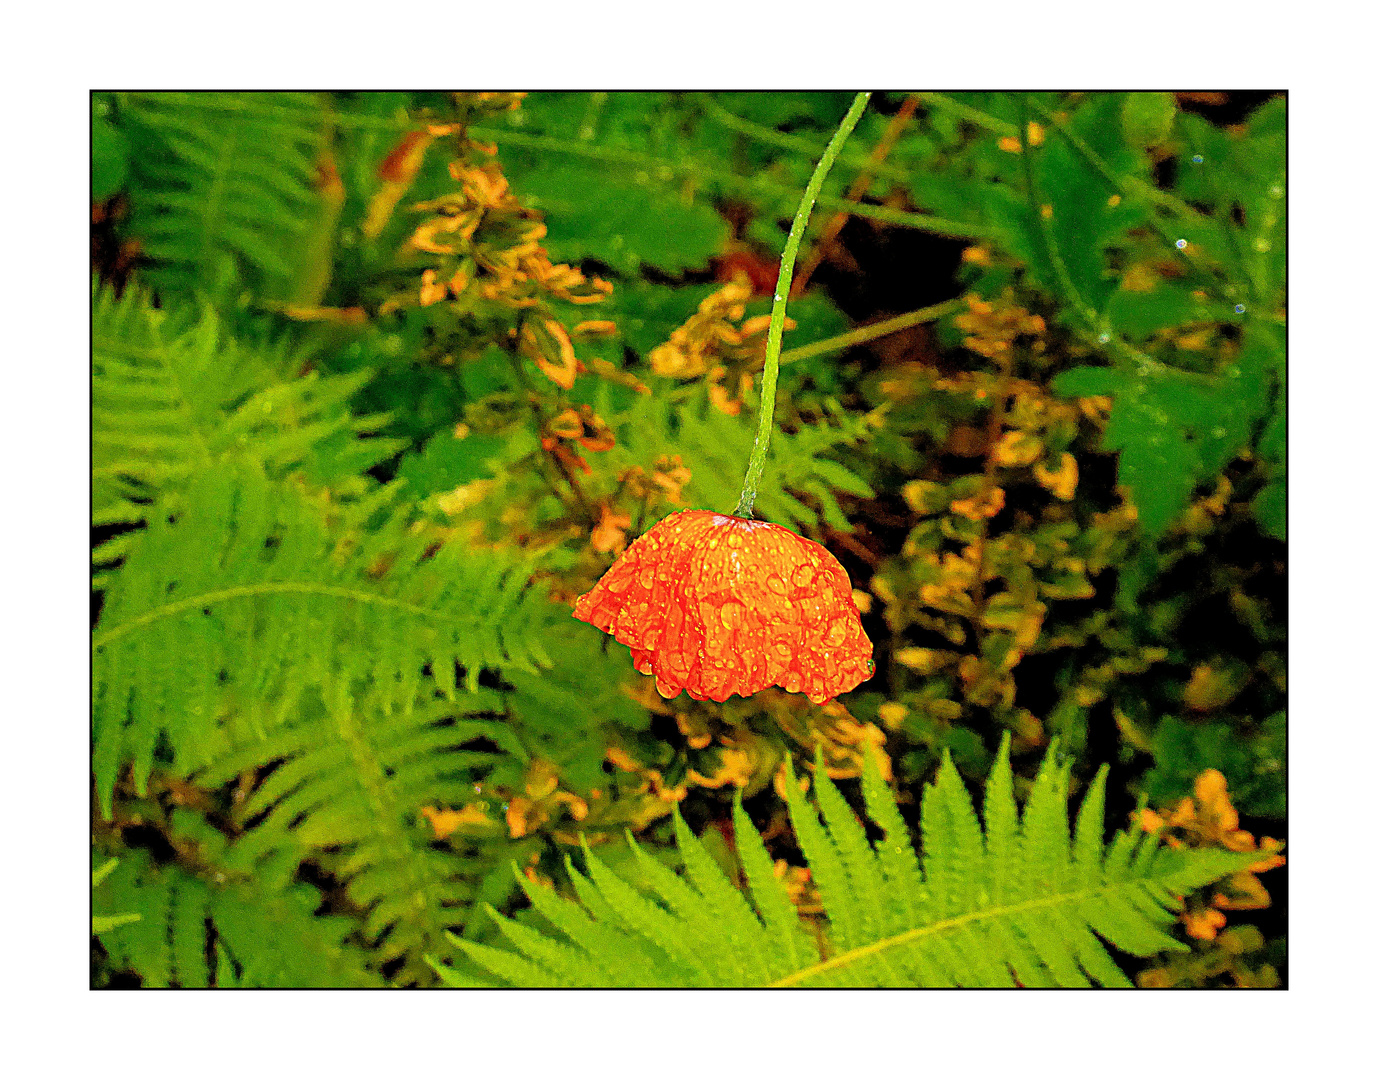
(719, 605)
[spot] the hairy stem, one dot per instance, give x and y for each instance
(756, 466)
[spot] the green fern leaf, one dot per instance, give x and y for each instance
(716, 447)
(343, 786)
(173, 397)
(226, 613)
(1022, 899)
(260, 937)
(569, 714)
(623, 216)
(622, 222)
(788, 946)
(222, 185)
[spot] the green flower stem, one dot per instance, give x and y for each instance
(870, 332)
(756, 466)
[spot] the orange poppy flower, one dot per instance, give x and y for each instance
(719, 605)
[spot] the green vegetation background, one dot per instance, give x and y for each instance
(382, 381)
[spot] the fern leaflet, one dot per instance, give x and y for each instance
(715, 447)
(172, 398)
(344, 785)
(197, 933)
(1020, 902)
(229, 610)
(223, 183)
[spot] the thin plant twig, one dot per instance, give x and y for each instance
(855, 193)
(871, 332)
(995, 425)
(966, 112)
(728, 181)
(786, 141)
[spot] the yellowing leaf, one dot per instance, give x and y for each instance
(1211, 688)
(924, 661)
(981, 505)
(1018, 448)
(1061, 481)
(924, 496)
(549, 346)
(445, 822)
(893, 713)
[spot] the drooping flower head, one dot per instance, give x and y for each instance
(720, 605)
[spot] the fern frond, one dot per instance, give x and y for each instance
(1020, 901)
(344, 785)
(102, 923)
(716, 447)
(222, 183)
(195, 933)
(172, 397)
(564, 713)
(226, 613)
